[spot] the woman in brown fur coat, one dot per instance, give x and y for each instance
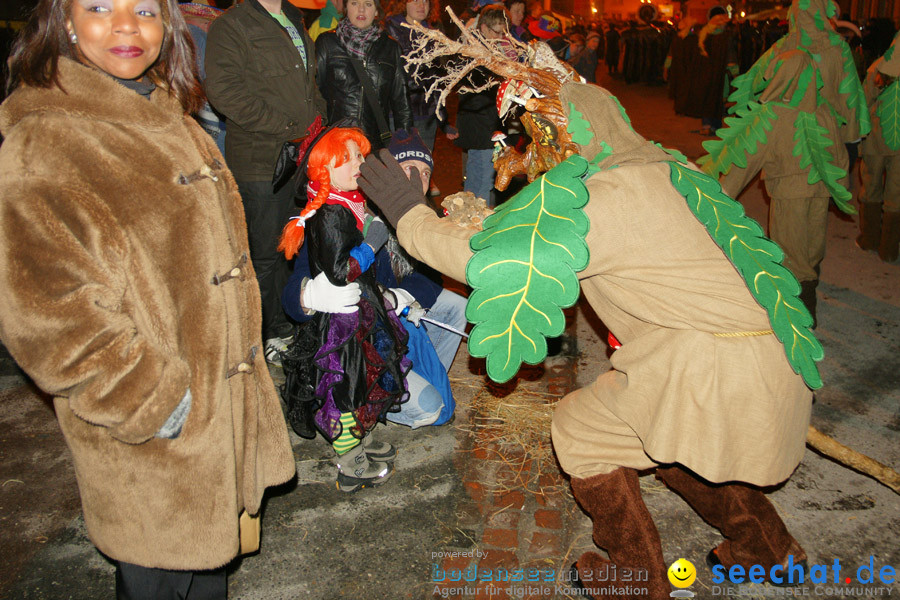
(126, 292)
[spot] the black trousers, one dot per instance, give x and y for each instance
(267, 213)
(143, 583)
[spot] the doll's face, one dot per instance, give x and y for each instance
(344, 177)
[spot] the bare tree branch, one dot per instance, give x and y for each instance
(534, 63)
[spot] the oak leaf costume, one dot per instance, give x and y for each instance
(795, 110)
(795, 140)
(698, 376)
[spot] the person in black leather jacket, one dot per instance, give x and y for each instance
(358, 37)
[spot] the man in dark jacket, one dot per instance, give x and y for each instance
(260, 69)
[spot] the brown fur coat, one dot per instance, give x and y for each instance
(125, 281)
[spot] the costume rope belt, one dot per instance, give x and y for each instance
(745, 333)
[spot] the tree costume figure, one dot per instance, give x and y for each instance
(798, 111)
(651, 241)
(361, 362)
(792, 135)
(810, 30)
(879, 196)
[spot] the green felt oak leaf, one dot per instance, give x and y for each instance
(819, 21)
(805, 40)
(523, 271)
(758, 259)
(888, 112)
(579, 127)
(811, 145)
(806, 77)
(851, 87)
(594, 164)
(747, 87)
(677, 155)
(740, 137)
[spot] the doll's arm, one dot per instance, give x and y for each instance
(336, 246)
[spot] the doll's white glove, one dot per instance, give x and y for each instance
(406, 302)
(321, 295)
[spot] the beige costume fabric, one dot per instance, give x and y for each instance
(124, 282)
(678, 392)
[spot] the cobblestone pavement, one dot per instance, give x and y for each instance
(478, 500)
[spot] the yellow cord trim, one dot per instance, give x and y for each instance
(745, 333)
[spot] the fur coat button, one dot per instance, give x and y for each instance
(235, 272)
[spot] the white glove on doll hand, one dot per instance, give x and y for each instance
(406, 300)
(321, 295)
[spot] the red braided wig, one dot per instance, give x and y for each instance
(332, 148)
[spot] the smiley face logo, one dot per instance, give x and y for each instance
(682, 573)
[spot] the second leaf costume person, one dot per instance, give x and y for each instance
(360, 364)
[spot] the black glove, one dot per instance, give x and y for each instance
(376, 234)
(383, 182)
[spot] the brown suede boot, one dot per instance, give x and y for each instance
(869, 226)
(624, 528)
(889, 250)
(754, 533)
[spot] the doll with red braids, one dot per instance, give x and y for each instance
(361, 362)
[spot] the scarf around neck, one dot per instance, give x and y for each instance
(355, 40)
(353, 201)
(144, 88)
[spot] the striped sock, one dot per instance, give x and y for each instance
(346, 442)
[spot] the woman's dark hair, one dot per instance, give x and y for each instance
(34, 59)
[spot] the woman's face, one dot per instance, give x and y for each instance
(417, 10)
(343, 178)
(361, 13)
(517, 12)
(119, 37)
